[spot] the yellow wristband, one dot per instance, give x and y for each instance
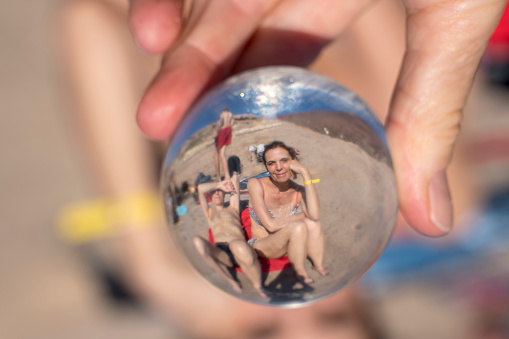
(102, 218)
(309, 182)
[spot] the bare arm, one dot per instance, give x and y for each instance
(235, 195)
(202, 190)
(311, 205)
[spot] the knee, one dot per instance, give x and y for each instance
(242, 251)
(199, 244)
(298, 229)
(313, 226)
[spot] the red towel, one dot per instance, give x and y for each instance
(501, 33)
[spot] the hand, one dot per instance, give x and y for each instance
(445, 41)
(226, 186)
(298, 168)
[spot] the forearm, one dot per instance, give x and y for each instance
(207, 187)
(272, 227)
(312, 202)
(121, 161)
(276, 224)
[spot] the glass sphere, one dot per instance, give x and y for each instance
(280, 223)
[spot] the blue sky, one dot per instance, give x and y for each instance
(267, 93)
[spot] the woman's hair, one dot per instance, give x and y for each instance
(279, 144)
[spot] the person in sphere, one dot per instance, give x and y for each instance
(223, 129)
(231, 248)
(285, 217)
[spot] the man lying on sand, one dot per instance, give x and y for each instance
(231, 248)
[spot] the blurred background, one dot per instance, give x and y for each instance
(453, 287)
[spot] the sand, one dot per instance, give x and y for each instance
(356, 191)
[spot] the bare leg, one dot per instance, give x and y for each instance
(213, 257)
(315, 245)
(224, 162)
(248, 262)
(290, 240)
(216, 163)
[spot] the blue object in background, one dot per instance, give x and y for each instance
(181, 210)
(489, 233)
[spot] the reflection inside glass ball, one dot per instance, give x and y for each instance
(279, 187)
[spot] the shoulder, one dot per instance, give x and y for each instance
(254, 186)
(252, 181)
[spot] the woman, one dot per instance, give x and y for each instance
(277, 225)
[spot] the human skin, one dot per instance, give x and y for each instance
(293, 235)
(226, 226)
(225, 120)
(205, 41)
(97, 37)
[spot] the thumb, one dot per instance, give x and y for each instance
(444, 45)
(421, 151)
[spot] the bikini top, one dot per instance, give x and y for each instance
(255, 217)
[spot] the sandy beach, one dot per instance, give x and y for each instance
(356, 192)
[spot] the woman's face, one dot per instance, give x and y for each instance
(277, 162)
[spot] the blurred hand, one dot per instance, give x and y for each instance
(226, 186)
(298, 168)
(445, 41)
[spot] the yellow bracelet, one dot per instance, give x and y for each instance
(102, 218)
(314, 181)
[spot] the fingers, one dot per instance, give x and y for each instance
(156, 24)
(227, 185)
(217, 33)
(296, 31)
(445, 41)
(296, 166)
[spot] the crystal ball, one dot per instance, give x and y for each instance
(279, 187)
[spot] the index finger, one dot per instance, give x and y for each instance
(156, 24)
(216, 35)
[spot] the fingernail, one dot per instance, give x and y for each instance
(440, 202)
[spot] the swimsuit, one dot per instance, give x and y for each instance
(224, 137)
(255, 217)
(225, 247)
